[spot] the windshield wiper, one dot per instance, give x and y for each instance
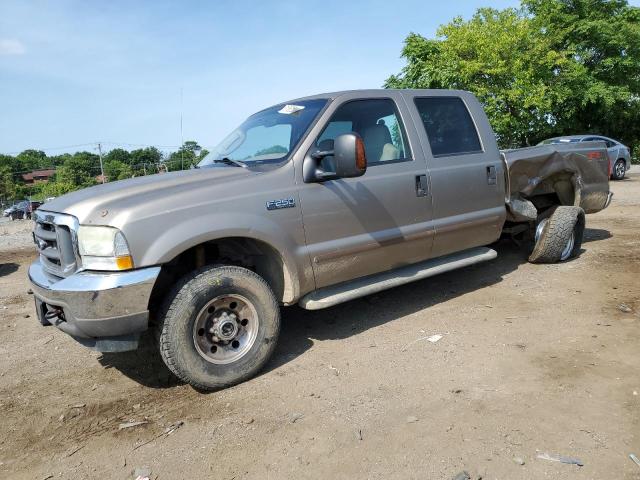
(229, 161)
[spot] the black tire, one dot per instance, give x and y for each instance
(555, 233)
(619, 169)
(185, 305)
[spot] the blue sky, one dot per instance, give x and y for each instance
(75, 72)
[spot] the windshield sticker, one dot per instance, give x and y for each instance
(289, 109)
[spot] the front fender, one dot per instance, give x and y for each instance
(191, 231)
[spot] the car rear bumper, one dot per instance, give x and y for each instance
(91, 306)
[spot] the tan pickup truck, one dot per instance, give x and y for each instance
(315, 202)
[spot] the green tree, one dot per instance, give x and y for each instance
(7, 182)
(599, 41)
(57, 188)
(117, 170)
(79, 170)
(544, 69)
(32, 160)
(119, 155)
(189, 154)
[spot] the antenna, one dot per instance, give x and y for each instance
(181, 134)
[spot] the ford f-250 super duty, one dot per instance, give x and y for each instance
(316, 201)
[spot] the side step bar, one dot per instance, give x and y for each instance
(343, 292)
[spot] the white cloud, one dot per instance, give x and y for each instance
(11, 46)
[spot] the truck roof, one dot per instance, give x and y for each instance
(371, 91)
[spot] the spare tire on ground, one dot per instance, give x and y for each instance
(558, 235)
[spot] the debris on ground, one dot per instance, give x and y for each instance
(561, 459)
(173, 427)
(79, 405)
(167, 431)
(74, 450)
(412, 419)
(623, 307)
(359, 434)
(518, 460)
(336, 372)
(295, 417)
(430, 338)
(125, 425)
(142, 473)
(634, 459)
(464, 475)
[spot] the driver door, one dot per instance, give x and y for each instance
(382, 220)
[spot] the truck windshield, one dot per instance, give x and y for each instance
(267, 136)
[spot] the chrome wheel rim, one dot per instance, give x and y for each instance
(225, 329)
(619, 169)
(540, 228)
(568, 248)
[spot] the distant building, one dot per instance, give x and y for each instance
(38, 176)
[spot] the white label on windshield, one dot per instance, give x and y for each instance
(289, 109)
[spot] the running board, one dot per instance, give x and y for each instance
(343, 292)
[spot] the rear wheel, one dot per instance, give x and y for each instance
(619, 170)
(219, 327)
(558, 236)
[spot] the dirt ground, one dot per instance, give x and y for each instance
(534, 359)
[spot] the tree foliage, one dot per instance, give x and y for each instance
(551, 67)
(82, 169)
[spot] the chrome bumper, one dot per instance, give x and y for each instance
(94, 304)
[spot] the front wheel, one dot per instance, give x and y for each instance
(219, 327)
(619, 170)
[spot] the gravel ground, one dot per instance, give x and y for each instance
(533, 359)
(15, 234)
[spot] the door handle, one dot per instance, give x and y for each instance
(492, 176)
(422, 187)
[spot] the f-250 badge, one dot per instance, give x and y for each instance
(282, 203)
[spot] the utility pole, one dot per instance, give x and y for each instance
(101, 167)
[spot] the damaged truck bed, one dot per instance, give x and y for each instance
(541, 176)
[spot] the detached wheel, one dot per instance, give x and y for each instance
(619, 170)
(219, 327)
(558, 236)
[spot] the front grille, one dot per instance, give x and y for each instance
(54, 238)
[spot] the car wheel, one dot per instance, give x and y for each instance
(619, 170)
(558, 236)
(218, 327)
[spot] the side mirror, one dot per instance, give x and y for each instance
(349, 157)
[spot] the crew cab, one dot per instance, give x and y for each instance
(315, 201)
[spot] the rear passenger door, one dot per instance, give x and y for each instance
(467, 174)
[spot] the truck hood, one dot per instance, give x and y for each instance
(101, 204)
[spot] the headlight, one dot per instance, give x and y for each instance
(103, 248)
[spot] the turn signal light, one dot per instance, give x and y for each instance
(124, 262)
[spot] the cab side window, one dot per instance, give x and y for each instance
(377, 122)
(449, 126)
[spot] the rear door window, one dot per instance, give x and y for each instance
(449, 126)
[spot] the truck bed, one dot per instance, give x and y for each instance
(577, 173)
